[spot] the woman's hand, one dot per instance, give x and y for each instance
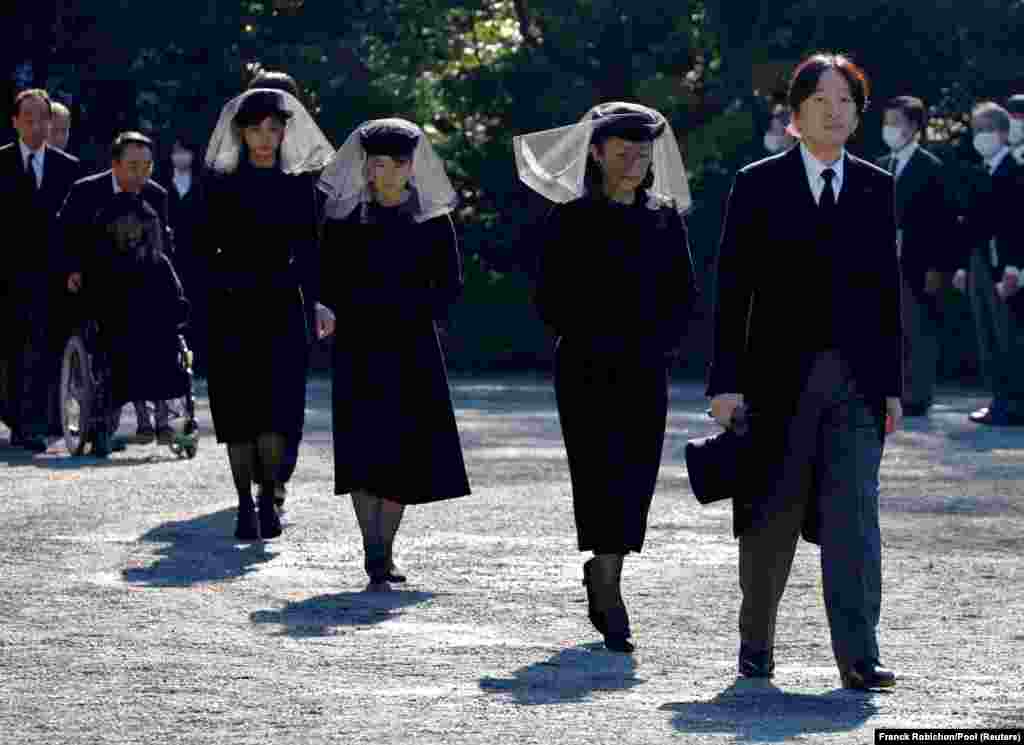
(325, 321)
(893, 414)
(724, 405)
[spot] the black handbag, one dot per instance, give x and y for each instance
(719, 466)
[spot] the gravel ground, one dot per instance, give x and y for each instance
(129, 614)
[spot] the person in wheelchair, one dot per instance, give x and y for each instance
(138, 353)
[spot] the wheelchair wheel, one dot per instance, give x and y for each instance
(77, 395)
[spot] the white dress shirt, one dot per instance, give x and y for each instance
(902, 157)
(182, 182)
(37, 164)
(815, 168)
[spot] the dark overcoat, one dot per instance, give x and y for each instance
(615, 283)
(390, 279)
(261, 244)
(787, 289)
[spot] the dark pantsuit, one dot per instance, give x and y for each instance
(835, 449)
(1000, 339)
(921, 326)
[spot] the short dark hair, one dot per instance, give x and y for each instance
(33, 93)
(991, 110)
(912, 108)
(125, 139)
(276, 80)
(805, 79)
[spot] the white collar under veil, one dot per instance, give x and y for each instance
(345, 183)
(553, 162)
(304, 147)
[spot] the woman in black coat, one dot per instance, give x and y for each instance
(391, 268)
(615, 283)
(262, 248)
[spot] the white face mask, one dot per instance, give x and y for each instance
(894, 137)
(987, 144)
(1016, 131)
(773, 143)
(182, 161)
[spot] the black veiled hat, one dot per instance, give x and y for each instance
(396, 138)
(258, 105)
(1015, 104)
(628, 121)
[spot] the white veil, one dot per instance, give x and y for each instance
(345, 184)
(304, 147)
(553, 162)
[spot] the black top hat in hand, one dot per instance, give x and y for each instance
(719, 465)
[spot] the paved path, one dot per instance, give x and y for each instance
(128, 613)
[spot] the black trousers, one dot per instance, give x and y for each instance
(834, 451)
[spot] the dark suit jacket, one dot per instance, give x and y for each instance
(87, 197)
(32, 215)
(994, 212)
(789, 286)
(926, 213)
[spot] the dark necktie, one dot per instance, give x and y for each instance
(827, 203)
(30, 171)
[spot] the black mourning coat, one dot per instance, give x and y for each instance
(88, 196)
(261, 244)
(789, 287)
(389, 279)
(926, 213)
(32, 326)
(615, 284)
(139, 304)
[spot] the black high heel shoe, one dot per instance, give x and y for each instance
(616, 635)
(270, 521)
(247, 529)
(595, 616)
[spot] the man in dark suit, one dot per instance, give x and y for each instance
(925, 219)
(808, 337)
(130, 171)
(990, 274)
(34, 179)
(1015, 107)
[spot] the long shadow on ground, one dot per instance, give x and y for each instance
(571, 675)
(199, 550)
(323, 614)
(757, 711)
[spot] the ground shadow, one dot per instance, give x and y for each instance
(570, 676)
(202, 549)
(324, 614)
(758, 711)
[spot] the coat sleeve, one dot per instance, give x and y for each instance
(74, 223)
(678, 293)
(553, 284)
(445, 281)
(307, 246)
(734, 291)
(890, 342)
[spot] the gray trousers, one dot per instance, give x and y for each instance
(921, 328)
(835, 450)
(1000, 339)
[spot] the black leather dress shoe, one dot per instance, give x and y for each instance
(756, 663)
(865, 675)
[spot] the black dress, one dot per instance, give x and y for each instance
(388, 278)
(616, 285)
(261, 246)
